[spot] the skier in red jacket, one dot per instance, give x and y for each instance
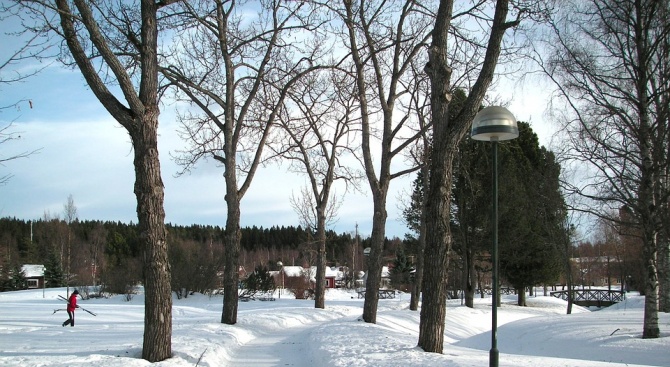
(71, 305)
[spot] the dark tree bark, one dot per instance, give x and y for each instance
(140, 119)
(521, 297)
(446, 137)
(418, 274)
(470, 275)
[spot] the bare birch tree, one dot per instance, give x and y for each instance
(116, 44)
(236, 69)
(609, 62)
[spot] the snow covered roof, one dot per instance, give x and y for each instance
(32, 271)
(294, 271)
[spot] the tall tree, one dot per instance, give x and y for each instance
(237, 72)
(447, 133)
(532, 213)
(70, 215)
(383, 37)
(609, 62)
(116, 44)
(413, 216)
(471, 203)
(320, 130)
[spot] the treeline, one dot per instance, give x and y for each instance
(108, 253)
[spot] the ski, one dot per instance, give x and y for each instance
(79, 307)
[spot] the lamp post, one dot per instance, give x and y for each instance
(494, 124)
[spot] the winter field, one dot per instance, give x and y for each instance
(289, 332)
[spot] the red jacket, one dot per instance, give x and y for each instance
(72, 302)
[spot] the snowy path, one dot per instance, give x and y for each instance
(284, 337)
(287, 347)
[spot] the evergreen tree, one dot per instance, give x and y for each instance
(532, 212)
(401, 272)
(18, 280)
(53, 272)
(260, 281)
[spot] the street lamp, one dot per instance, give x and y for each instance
(281, 270)
(494, 124)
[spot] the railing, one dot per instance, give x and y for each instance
(383, 294)
(592, 297)
(503, 290)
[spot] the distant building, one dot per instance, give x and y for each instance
(34, 275)
(333, 276)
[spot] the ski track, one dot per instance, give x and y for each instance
(288, 341)
(287, 347)
(283, 347)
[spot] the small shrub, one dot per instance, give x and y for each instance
(298, 285)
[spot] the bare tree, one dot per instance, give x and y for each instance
(418, 86)
(7, 135)
(609, 62)
(319, 123)
(237, 72)
(31, 49)
(70, 215)
(383, 38)
(116, 44)
(447, 133)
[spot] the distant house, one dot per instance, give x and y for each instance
(333, 275)
(34, 275)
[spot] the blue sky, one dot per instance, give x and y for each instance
(86, 154)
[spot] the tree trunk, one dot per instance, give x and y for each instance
(568, 269)
(446, 137)
(521, 296)
(470, 274)
(149, 190)
(231, 250)
(140, 119)
(374, 260)
(320, 291)
(664, 275)
(650, 328)
(438, 239)
(418, 274)
(151, 223)
(438, 196)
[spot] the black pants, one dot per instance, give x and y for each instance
(70, 320)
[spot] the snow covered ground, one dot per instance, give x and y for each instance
(289, 332)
